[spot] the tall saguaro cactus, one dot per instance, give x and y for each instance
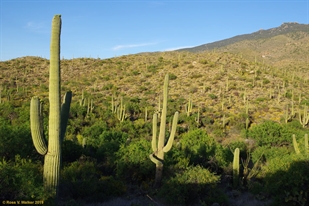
(158, 147)
(58, 116)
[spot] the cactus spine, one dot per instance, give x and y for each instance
(158, 148)
(236, 167)
(58, 117)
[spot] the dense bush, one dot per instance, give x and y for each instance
(21, 180)
(133, 162)
(95, 130)
(286, 178)
(271, 133)
(71, 151)
(268, 153)
(16, 140)
(77, 110)
(82, 180)
(108, 144)
(204, 150)
(238, 144)
(194, 185)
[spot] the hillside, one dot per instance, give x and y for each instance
(214, 81)
(282, 45)
(234, 146)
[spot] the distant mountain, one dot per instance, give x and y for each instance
(285, 28)
(290, 41)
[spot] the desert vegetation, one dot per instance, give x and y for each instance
(241, 127)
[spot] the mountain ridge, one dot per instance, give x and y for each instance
(284, 28)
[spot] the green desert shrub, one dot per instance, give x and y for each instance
(271, 133)
(203, 150)
(127, 127)
(268, 153)
(286, 179)
(107, 144)
(16, 140)
(133, 163)
(213, 96)
(95, 130)
(82, 180)
(242, 147)
(77, 110)
(71, 151)
(79, 179)
(21, 180)
(176, 160)
(192, 186)
(173, 76)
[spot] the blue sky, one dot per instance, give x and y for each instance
(105, 29)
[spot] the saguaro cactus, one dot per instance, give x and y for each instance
(58, 116)
(306, 145)
(295, 144)
(304, 117)
(188, 107)
(158, 148)
(236, 167)
(296, 147)
(121, 111)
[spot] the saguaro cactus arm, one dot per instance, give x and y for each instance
(65, 109)
(36, 126)
(154, 132)
(169, 144)
(156, 160)
(163, 115)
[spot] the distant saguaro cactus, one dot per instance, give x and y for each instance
(188, 107)
(296, 147)
(304, 117)
(158, 147)
(58, 117)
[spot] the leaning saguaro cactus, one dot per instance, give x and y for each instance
(58, 117)
(158, 147)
